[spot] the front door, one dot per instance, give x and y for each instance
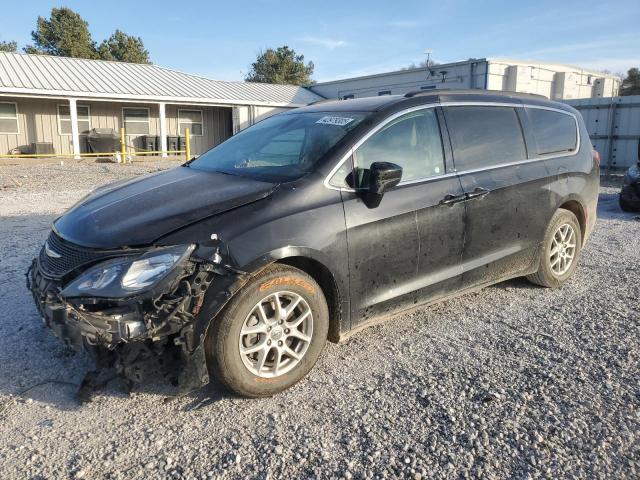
(409, 247)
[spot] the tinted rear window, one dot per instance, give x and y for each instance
(554, 132)
(485, 136)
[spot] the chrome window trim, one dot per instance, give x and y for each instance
(427, 179)
(368, 135)
(381, 125)
(567, 153)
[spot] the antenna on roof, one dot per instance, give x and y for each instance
(427, 53)
(429, 63)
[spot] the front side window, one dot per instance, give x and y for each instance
(554, 132)
(484, 136)
(8, 117)
(411, 141)
(343, 177)
(136, 121)
(64, 119)
(191, 119)
(280, 148)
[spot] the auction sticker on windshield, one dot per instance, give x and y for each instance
(340, 121)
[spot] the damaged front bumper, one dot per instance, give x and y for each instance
(165, 326)
(78, 326)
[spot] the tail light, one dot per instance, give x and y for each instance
(596, 157)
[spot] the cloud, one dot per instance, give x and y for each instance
(325, 42)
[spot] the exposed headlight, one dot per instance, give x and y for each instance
(122, 277)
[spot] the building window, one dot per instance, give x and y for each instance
(384, 92)
(348, 97)
(136, 121)
(191, 119)
(9, 117)
(64, 119)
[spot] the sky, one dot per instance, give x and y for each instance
(350, 38)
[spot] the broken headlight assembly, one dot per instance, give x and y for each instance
(127, 276)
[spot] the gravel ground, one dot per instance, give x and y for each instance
(511, 382)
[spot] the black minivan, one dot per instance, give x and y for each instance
(311, 225)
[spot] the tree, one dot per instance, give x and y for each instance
(123, 48)
(631, 84)
(423, 64)
(64, 34)
(281, 66)
(8, 46)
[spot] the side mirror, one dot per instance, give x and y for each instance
(382, 177)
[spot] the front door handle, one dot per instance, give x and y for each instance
(478, 193)
(452, 199)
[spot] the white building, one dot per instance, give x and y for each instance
(555, 81)
(49, 104)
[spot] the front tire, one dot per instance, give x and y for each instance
(270, 334)
(560, 251)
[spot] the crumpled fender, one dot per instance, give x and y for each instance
(195, 373)
(228, 282)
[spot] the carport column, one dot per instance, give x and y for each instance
(163, 129)
(75, 134)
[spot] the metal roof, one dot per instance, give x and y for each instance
(75, 77)
(509, 61)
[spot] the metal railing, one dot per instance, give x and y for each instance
(126, 151)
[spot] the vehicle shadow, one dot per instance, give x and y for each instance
(519, 283)
(208, 395)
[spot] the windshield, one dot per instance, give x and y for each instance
(280, 148)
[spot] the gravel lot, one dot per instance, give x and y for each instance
(512, 382)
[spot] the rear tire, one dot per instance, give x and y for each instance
(257, 347)
(560, 250)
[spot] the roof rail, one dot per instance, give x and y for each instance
(468, 91)
(422, 93)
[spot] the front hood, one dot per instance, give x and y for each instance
(146, 208)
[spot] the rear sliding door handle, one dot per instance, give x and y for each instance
(452, 199)
(478, 193)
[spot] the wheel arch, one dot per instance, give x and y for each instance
(318, 266)
(197, 370)
(577, 208)
(323, 276)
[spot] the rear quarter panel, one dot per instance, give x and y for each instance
(576, 178)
